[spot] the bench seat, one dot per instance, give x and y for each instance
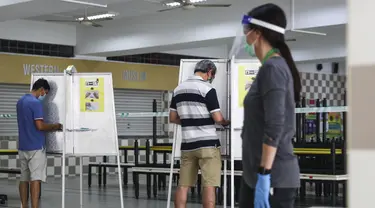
(102, 176)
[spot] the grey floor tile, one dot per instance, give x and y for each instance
(94, 197)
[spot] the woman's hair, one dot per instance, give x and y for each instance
(273, 14)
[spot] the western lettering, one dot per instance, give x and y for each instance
(28, 69)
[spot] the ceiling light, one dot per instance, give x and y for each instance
(85, 3)
(176, 3)
(98, 16)
(173, 4)
(197, 1)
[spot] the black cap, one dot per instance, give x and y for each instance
(205, 66)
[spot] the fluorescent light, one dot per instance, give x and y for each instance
(176, 3)
(99, 16)
(173, 4)
(197, 1)
(85, 3)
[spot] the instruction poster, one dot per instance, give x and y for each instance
(92, 94)
(246, 77)
(334, 123)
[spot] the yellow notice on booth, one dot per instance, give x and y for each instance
(246, 77)
(92, 94)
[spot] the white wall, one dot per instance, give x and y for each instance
(212, 52)
(35, 31)
(327, 67)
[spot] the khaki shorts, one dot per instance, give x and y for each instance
(33, 165)
(209, 162)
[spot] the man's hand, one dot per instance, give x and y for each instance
(226, 123)
(59, 127)
(41, 126)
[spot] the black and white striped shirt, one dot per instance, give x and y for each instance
(195, 100)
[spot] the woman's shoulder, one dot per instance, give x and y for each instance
(276, 62)
(276, 67)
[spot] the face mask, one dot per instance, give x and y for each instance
(250, 50)
(211, 79)
(41, 98)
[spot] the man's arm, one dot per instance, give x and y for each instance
(273, 89)
(214, 108)
(174, 118)
(41, 126)
(173, 115)
(37, 110)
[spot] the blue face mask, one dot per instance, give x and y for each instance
(41, 98)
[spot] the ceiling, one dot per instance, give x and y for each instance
(125, 9)
(140, 28)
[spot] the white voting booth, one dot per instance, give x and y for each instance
(242, 74)
(84, 104)
(232, 81)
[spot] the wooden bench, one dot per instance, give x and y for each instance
(102, 171)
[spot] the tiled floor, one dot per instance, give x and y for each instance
(94, 197)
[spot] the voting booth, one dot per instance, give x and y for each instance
(84, 104)
(232, 81)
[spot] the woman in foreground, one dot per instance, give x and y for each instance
(269, 117)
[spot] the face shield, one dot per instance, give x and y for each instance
(240, 48)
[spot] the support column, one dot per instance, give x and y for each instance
(361, 102)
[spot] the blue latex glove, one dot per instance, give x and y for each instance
(262, 191)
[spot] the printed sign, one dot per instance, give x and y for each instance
(92, 95)
(246, 77)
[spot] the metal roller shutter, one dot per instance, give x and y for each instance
(125, 101)
(137, 101)
(9, 95)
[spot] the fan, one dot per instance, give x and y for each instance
(188, 4)
(84, 21)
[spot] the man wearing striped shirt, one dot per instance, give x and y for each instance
(195, 107)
